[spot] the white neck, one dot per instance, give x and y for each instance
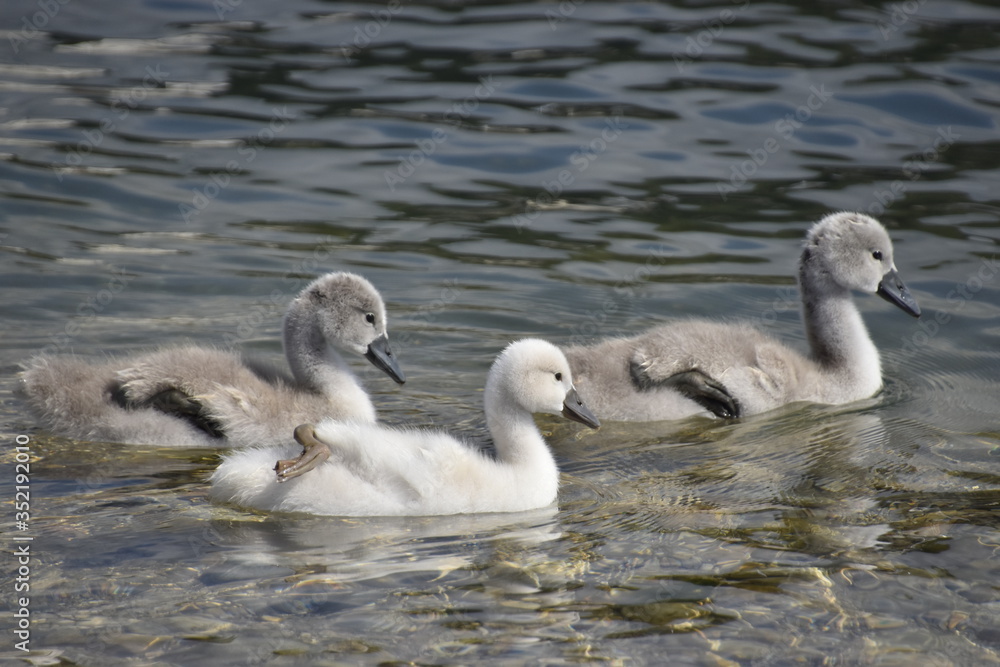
(516, 437)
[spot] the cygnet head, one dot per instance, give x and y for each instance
(349, 313)
(850, 250)
(535, 375)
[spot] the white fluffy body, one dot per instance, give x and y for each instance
(377, 470)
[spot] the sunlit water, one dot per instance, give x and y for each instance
(172, 172)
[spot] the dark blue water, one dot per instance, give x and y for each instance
(170, 172)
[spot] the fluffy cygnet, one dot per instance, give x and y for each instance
(368, 469)
(733, 369)
(198, 396)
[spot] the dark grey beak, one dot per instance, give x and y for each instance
(894, 291)
(381, 357)
(573, 408)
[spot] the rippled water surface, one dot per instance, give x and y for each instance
(170, 171)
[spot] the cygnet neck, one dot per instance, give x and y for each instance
(516, 437)
(838, 338)
(315, 364)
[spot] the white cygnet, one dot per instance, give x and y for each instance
(369, 469)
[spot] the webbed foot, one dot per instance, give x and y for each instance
(176, 403)
(314, 452)
(693, 384)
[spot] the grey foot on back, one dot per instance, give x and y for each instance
(176, 403)
(693, 384)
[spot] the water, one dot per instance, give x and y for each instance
(172, 171)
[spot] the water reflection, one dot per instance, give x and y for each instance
(359, 549)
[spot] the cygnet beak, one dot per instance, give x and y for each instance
(894, 291)
(573, 408)
(381, 357)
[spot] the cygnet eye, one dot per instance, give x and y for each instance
(370, 318)
(558, 377)
(877, 255)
